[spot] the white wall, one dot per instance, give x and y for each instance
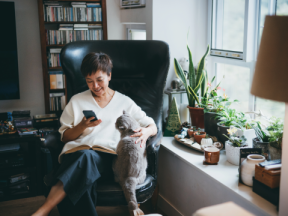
(171, 22)
(115, 29)
(29, 60)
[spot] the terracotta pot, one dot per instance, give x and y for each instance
(198, 138)
(197, 116)
(190, 133)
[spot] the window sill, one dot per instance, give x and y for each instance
(224, 172)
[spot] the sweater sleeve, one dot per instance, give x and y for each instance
(66, 119)
(140, 116)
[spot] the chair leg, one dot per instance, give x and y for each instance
(136, 212)
(154, 199)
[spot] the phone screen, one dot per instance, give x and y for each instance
(89, 114)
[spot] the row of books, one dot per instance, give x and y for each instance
(66, 14)
(54, 60)
(57, 79)
(64, 37)
(57, 101)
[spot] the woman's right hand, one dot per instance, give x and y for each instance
(85, 123)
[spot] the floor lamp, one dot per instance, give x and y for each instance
(271, 82)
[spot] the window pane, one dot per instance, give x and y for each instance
(282, 8)
(270, 108)
(236, 84)
(228, 25)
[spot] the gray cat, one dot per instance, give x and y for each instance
(130, 165)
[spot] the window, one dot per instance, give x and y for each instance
(235, 30)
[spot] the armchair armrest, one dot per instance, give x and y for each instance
(55, 145)
(153, 145)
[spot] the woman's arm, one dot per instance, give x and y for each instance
(73, 133)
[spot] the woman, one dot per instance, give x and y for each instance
(76, 179)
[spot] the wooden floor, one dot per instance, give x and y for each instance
(27, 206)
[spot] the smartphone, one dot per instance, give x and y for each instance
(89, 114)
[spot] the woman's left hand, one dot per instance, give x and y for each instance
(143, 134)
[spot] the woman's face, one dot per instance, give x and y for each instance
(98, 82)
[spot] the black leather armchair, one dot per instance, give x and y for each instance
(139, 71)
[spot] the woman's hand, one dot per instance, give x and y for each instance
(143, 134)
(85, 123)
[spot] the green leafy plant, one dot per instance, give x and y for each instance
(276, 132)
(230, 117)
(261, 133)
(195, 80)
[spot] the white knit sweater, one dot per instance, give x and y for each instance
(104, 134)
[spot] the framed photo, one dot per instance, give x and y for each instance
(132, 4)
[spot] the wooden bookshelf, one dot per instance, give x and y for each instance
(43, 25)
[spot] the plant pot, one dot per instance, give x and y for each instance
(198, 138)
(275, 153)
(264, 146)
(220, 131)
(190, 133)
(248, 168)
(210, 123)
(249, 134)
(206, 142)
(197, 116)
(233, 153)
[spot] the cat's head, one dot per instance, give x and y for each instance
(126, 122)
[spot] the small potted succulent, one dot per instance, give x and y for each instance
(207, 141)
(198, 136)
(233, 146)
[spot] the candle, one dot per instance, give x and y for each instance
(184, 113)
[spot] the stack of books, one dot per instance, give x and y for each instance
(95, 32)
(54, 57)
(57, 101)
(19, 184)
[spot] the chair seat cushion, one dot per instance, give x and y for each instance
(111, 194)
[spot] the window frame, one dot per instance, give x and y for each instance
(248, 57)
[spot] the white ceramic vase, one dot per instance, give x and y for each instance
(205, 142)
(248, 168)
(233, 153)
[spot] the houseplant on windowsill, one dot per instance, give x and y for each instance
(243, 123)
(233, 146)
(261, 140)
(192, 88)
(276, 135)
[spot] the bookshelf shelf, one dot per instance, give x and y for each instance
(49, 27)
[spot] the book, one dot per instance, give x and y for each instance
(53, 81)
(45, 116)
(94, 147)
(27, 131)
(18, 177)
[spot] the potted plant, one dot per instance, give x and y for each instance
(198, 136)
(275, 140)
(233, 146)
(261, 140)
(230, 117)
(192, 87)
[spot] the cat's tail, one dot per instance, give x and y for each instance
(129, 189)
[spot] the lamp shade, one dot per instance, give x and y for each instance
(271, 72)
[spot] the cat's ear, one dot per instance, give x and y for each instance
(124, 112)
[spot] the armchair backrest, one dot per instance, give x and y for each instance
(139, 70)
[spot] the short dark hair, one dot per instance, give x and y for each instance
(93, 62)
